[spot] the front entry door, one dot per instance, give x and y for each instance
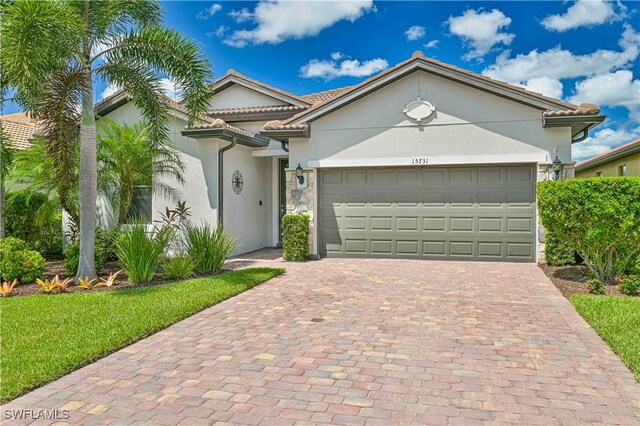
(283, 164)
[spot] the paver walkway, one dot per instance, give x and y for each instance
(363, 342)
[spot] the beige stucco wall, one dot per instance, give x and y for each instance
(239, 96)
(611, 168)
(468, 123)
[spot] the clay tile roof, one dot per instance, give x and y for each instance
(255, 110)
(20, 129)
(632, 144)
(582, 109)
(279, 125)
(219, 123)
(325, 95)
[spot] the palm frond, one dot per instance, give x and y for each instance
(167, 52)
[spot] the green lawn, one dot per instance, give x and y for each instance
(617, 321)
(45, 337)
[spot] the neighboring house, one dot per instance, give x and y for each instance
(20, 129)
(424, 160)
(621, 161)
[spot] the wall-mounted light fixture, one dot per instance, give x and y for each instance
(300, 174)
(556, 167)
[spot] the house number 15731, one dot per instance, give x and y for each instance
(420, 160)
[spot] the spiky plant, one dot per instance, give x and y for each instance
(52, 54)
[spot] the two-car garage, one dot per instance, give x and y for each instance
(456, 213)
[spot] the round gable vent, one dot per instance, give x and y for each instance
(418, 109)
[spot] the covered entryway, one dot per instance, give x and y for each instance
(457, 213)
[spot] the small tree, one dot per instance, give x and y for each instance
(600, 217)
(6, 158)
(127, 158)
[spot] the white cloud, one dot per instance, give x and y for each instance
(207, 13)
(108, 91)
(432, 44)
(415, 32)
(242, 15)
(611, 89)
(480, 31)
(603, 141)
(584, 13)
(558, 63)
(219, 32)
(545, 85)
(278, 20)
(336, 56)
(330, 69)
(170, 89)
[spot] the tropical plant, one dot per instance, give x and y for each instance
(6, 160)
(86, 283)
(127, 158)
(139, 251)
(47, 286)
(208, 247)
(599, 217)
(22, 220)
(7, 288)
(177, 268)
(108, 282)
(72, 43)
(24, 265)
(295, 237)
(62, 285)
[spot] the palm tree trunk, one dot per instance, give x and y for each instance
(88, 169)
(2, 200)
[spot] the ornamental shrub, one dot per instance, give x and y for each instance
(208, 247)
(139, 251)
(30, 216)
(11, 244)
(24, 265)
(295, 237)
(595, 286)
(177, 268)
(630, 285)
(557, 252)
(599, 217)
(72, 257)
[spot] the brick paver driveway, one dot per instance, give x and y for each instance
(364, 341)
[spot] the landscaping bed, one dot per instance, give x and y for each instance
(56, 267)
(573, 279)
(45, 337)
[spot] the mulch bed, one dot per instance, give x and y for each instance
(572, 279)
(56, 267)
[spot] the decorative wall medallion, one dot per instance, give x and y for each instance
(418, 109)
(237, 182)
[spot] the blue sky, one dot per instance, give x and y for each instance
(585, 51)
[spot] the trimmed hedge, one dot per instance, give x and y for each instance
(557, 252)
(599, 217)
(295, 237)
(24, 265)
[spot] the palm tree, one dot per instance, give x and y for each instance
(6, 157)
(53, 51)
(126, 159)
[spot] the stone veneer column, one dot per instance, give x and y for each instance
(301, 199)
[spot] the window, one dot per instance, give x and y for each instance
(140, 208)
(598, 174)
(622, 170)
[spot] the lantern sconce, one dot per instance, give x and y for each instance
(556, 167)
(300, 174)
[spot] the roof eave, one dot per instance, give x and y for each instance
(256, 141)
(287, 133)
(633, 149)
(260, 116)
(578, 123)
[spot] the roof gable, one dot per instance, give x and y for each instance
(419, 61)
(629, 148)
(235, 78)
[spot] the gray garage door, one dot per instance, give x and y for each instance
(478, 213)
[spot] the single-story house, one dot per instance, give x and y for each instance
(621, 161)
(424, 160)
